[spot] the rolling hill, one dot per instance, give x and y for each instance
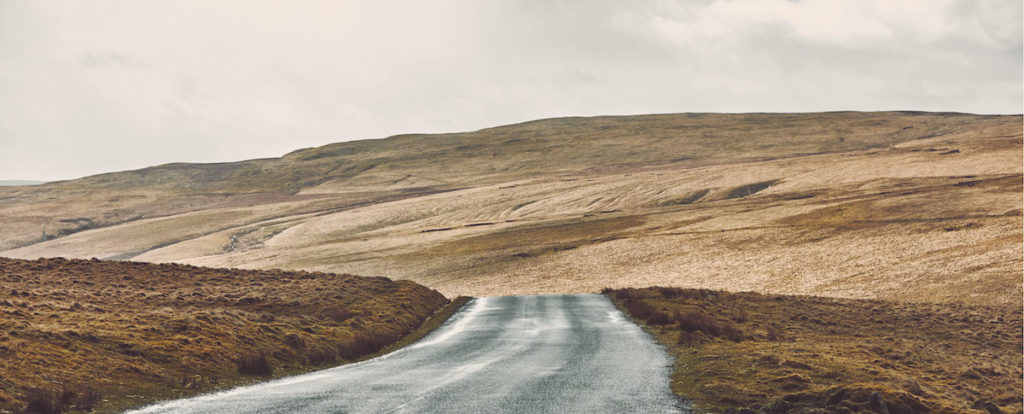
(908, 206)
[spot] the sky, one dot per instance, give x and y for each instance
(96, 86)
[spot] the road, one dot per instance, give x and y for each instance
(535, 354)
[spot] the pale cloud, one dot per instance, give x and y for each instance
(88, 87)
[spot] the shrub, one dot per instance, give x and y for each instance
(657, 317)
(643, 310)
(295, 341)
(337, 314)
(42, 401)
(689, 338)
(255, 363)
(68, 397)
(669, 292)
(741, 316)
(321, 356)
(695, 320)
(365, 343)
(619, 294)
(732, 332)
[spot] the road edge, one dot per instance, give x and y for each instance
(432, 322)
(684, 402)
(430, 325)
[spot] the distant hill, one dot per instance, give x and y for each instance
(19, 182)
(908, 205)
(547, 146)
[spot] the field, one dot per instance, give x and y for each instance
(86, 334)
(906, 206)
(747, 352)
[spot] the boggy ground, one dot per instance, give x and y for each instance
(86, 334)
(748, 352)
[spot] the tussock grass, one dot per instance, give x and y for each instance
(255, 363)
(694, 320)
(61, 399)
(364, 343)
(686, 319)
(138, 332)
(337, 314)
(432, 323)
(747, 352)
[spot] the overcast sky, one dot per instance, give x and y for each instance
(98, 86)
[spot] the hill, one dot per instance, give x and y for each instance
(907, 206)
(13, 183)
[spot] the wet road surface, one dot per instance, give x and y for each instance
(536, 354)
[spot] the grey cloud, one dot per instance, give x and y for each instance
(216, 81)
(1000, 21)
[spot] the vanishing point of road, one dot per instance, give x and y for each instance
(524, 354)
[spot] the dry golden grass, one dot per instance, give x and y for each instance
(896, 205)
(917, 216)
(135, 332)
(746, 352)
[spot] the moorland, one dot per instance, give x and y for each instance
(83, 335)
(748, 353)
(806, 260)
(908, 206)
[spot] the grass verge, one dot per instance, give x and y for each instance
(84, 335)
(431, 324)
(752, 353)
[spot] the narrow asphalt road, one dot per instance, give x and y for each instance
(535, 354)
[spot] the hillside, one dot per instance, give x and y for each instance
(894, 205)
(14, 183)
(77, 334)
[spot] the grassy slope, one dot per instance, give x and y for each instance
(135, 332)
(490, 155)
(806, 354)
(908, 206)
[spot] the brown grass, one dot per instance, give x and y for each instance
(254, 363)
(435, 321)
(811, 355)
(72, 330)
(773, 203)
(63, 399)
